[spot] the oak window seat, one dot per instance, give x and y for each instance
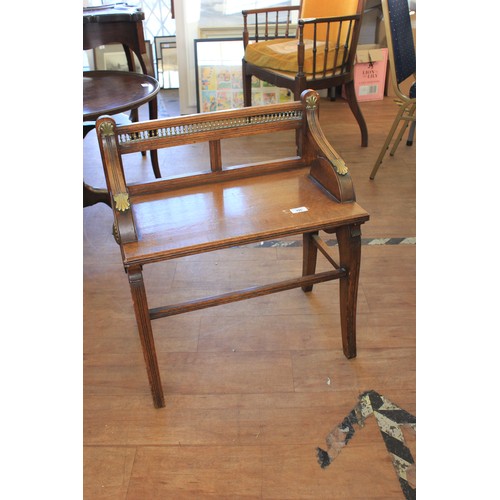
(232, 206)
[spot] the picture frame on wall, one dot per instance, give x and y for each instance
(167, 69)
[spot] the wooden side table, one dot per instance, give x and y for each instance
(123, 26)
(110, 93)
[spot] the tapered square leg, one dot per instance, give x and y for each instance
(310, 254)
(349, 240)
(141, 309)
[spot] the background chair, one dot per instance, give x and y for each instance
(320, 55)
(403, 65)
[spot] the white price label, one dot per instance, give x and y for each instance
(298, 210)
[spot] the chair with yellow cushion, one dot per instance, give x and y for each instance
(319, 55)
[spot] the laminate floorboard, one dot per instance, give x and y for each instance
(252, 388)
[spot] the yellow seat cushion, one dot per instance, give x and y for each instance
(281, 55)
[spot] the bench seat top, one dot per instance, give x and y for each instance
(223, 214)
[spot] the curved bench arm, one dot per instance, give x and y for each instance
(124, 227)
(328, 168)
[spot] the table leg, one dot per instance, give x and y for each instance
(92, 195)
(153, 114)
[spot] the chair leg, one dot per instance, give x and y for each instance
(247, 87)
(130, 57)
(134, 115)
(411, 134)
(333, 92)
(396, 142)
(406, 116)
(92, 195)
(387, 142)
(141, 309)
(349, 240)
(155, 164)
(310, 253)
(356, 111)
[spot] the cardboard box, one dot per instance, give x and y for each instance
(370, 72)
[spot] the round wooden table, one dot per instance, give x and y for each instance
(111, 93)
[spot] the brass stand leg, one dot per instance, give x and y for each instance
(310, 253)
(406, 116)
(349, 240)
(387, 142)
(356, 111)
(146, 334)
(396, 142)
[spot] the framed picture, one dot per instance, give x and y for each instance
(112, 57)
(167, 70)
(219, 80)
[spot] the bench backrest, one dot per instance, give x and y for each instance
(313, 149)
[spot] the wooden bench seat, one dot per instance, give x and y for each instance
(225, 207)
(221, 215)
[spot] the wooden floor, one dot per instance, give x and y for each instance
(252, 388)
